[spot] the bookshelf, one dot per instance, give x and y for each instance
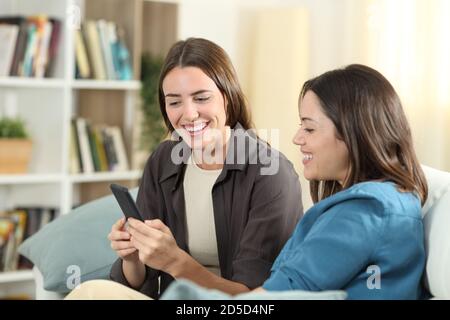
(49, 104)
(22, 275)
(17, 82)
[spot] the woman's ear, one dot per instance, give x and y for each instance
(225, 102)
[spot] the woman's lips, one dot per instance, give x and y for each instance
(197, 129)
(307, 158)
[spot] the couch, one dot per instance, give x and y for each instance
(436, 218)
(53, 278)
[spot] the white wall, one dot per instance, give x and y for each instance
(213, 20)
(337, 35)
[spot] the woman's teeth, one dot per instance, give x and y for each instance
(307, 157)
(198, 127)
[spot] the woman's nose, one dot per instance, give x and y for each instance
(298, 139)
(190, 112)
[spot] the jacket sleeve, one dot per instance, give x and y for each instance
(338, 246)
(149, 206)
(275, 208)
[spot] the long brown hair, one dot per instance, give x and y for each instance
(369, 118)
(215, 63)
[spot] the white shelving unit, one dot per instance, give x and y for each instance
(105, 176)
(17, 284)
(29, 179)
(16, 82)
(106, 85)
(16, 276)
(47, 105)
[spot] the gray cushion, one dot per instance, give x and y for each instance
(75, 242)
(187, 290)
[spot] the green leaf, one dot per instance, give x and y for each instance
(153, 127)
(12, 128)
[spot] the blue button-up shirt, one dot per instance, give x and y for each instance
(367, 240)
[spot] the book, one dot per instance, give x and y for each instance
(114, 47)
(41, 62)
(26, 68)
(15, 226)
(119, 148)
(32, 223)
(74, 162)
(94, 50)
(98, 148)
(20, 218)
(96, 131)
(8, 38)
(6, 233)
(77, 143)
(93, 147)
(103, 32)
(111, 156)
(21, 40)
(53, 46)
(81, 56)
(41, 44)
(85, 150)
(47, 215)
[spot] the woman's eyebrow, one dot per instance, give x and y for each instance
(172, 95)
(177, 95)
(308, 119)
(199, 92)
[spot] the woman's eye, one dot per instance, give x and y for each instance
(307, 130)
(174, 103)
(201, 99)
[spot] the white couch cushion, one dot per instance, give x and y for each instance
(436, 215)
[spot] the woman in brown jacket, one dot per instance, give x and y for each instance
(217, 201)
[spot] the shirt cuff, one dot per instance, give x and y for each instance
(277, 281)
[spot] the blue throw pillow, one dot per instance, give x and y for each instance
(75, 243)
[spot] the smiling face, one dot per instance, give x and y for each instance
(325, 157)
(195, 107)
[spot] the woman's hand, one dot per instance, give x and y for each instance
(155, 243)
(120, 242)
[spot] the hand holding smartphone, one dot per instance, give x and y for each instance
(126, 202)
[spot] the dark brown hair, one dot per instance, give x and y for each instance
(369, 118)
(215, 63)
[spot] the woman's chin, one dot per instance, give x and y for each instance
(308, 175)
(206, 147)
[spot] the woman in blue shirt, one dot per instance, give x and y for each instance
(364, 234)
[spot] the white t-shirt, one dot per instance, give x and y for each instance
(201, 231)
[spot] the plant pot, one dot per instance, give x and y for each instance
(15, 155)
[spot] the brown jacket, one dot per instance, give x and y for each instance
(254, 213)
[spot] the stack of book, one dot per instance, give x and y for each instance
(28, 45)
(95, 148)
(101, 52)
(15, 226)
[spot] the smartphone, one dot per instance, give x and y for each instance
(125, 201)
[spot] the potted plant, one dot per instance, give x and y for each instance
(15, 146)
(153, 127)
